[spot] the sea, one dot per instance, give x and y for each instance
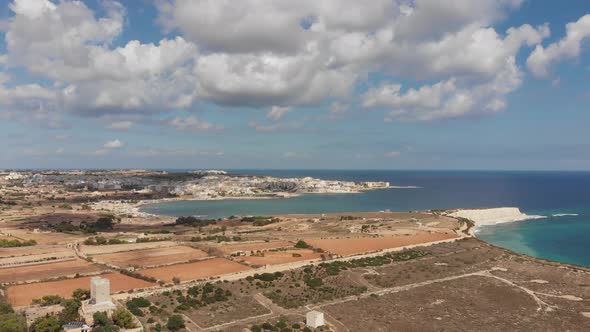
(562, 198)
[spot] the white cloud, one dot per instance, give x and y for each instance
(191, 123)
(66, 43)
(277, 112)
(262, 54)
(569, 47)
(120, 125)
(114, 144)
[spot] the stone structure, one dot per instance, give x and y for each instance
(100, 299)
(314, 319)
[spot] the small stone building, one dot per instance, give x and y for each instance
(314, 319)
(100, 299)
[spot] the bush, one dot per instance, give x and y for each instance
(123, 318)
(302, 245)
(46, 324)
(16, 243)
(175, 323)
(9, 321)
(314, 282)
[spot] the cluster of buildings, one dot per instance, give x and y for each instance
(201, 184)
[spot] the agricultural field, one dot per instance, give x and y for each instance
(108, 249)
(359, 245)
(151, 257)
(27, 251)
(228, 249)
(280, 257)
(197, 270)
(47, 270)
(20, 295)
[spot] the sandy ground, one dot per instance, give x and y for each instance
(197, 270)
(47, 270)
(351, 246)
(23, 294)
(151, 257)
(281, 257)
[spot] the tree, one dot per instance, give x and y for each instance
(123, 318)
(11, 322)
(5, 308)
(46, 324)
(104, 223)
(175, 323)
(70, 312)
(102, 323)
(301, 244)
(81, 294)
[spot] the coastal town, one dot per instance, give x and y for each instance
(77, 253)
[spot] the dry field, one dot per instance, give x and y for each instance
(228, 249)
(152, 257)
(197, 270)
(352, 246)
(281, 257)
(52, 238)
(21, 295)
(47, 270)
(467, 304)
(108, 249)
(26, 251)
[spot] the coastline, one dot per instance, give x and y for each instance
(133, 209)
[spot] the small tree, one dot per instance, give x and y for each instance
(176, 280)
(123, 318)
(81, 294)
(175, 323)
(301, 244)
(46, 324)
(11, 322)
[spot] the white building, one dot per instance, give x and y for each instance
(314, 319)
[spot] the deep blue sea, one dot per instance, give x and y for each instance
(564, 238)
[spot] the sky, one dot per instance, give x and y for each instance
(282, 84)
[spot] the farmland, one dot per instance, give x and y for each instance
(151, 257)
(352, 246)
(197, 270)
(23, 294)
(47, 271)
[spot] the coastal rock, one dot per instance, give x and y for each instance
(493, 216)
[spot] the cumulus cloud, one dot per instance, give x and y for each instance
(266, 53)
(120, 125)
(191, 123)
(66, 43)
(114, 144)
(569, 47)
(277, 112)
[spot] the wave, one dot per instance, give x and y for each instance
(565, 215)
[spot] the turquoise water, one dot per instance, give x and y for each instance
(563, 238)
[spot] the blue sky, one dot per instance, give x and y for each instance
(487, 84)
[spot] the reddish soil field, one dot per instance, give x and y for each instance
(150, 257)
(48, 270)
(21, 295)
(281, 257)
(198, 270)
(345, 247)
(230, 248)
